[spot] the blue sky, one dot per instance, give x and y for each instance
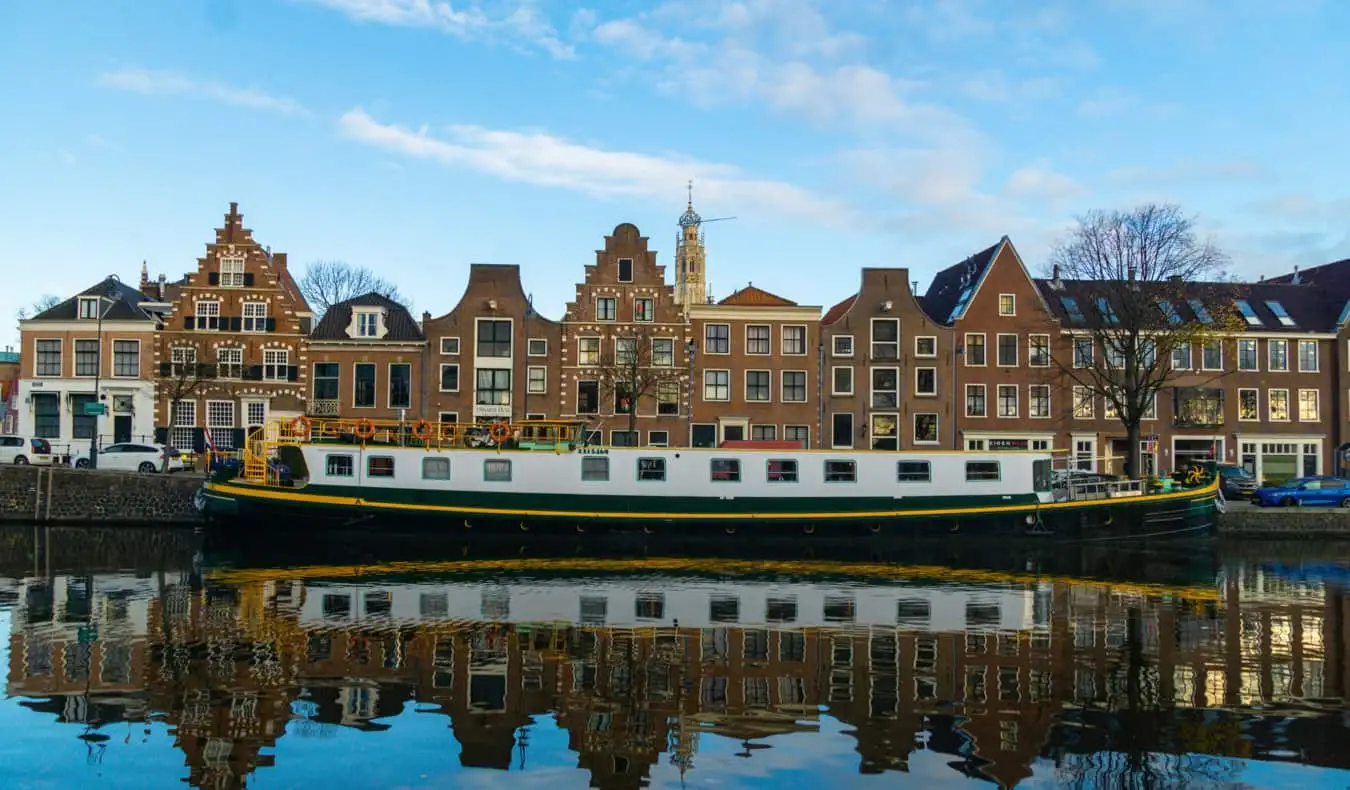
(417, 136)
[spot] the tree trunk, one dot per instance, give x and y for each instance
(168, 440)
(632, 418)
(1133, 469)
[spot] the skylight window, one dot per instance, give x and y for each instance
(1071, 307)
(961, 302)
(1104, 307)
(1248, 313)
(1345, 314)
(1280, 313)
(1201, 314)
(1173, 317)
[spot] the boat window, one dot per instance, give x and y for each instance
(725, 470)
(595, 468)
(913, 472)
(339, 466)
(782, 470)
(497, 470)
(380, 466)
(652, 469)
(981, 471)
(1042, 473)
(780, 610)
(435, 468)
(841, 472)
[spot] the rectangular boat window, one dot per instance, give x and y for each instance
(724, 609)
(913, 472)
(595, 468)
(780, 610)
(497, 470)
(380, 466)
(981, 471)
(912, 613)
(725, 470)
(339, 466)
(1041, 474)
(782, 471)
(435, 468)
(841, 472)
(653, 469)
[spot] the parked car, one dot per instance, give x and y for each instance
(21, 450)
(1237, 482)
(135, 457)
(1307, 491)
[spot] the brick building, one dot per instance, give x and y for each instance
(367, 359)
(230, 356)
(492, 357)
(625, 310)
(886, 368)
(756, 369)
(63, 359)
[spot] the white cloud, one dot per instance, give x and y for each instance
(523, 22)
(1039, 183)
(171, 83)
(994, 86)
(545, 160)
(1190, 171)
(950, 20)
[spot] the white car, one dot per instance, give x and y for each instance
(134, 457)
(21, 450)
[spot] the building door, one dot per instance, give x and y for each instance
(121, 428)
(841, 429)
(703, 435)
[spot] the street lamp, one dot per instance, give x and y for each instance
(110, 293)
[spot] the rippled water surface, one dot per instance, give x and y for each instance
(146, 659)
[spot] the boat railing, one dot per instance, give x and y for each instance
(1076, 490)
(550, 435)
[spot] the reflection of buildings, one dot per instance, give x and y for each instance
(640, 670)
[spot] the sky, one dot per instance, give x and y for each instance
(415, 137)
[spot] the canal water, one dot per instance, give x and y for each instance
(149, 659)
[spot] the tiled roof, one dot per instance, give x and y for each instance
(124, 307)
(952, 288)
(750, 296)
(1305, 309)
(837, 312)
(402, 328)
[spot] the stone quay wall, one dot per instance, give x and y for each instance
(60, 495)
(1243, 519)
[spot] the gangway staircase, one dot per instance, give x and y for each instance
(261, 445)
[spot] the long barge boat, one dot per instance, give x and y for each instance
(551, 475)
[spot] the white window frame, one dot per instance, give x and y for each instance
(1317, 356)
(872, 390)
(614, 312)
(1317, 404)
(1257, 413)
(1270, 405)
(783, 339)
(88, 315)
(1031, 357)
(984, 391)
(282, 354)
(782, 387)
(707, 346)
(768, 340)
(658, 438)
(1271, 345)
(1081, 395)
(214, 424)
(367, 324)
(389, 384)
(641, 316)
(582, 353)
(1204, 364)
(449, 343)
(542, 381)
(1012, 298)
(1049, 401)
(60, 358)
(847, 351)
(1083, 341)
(214, 318)
(1017, 401)
(1256, 355)
(618, 270)
(725, 372)
(231, 272)
(920, 354)
(529, 347)
(984, 343)
(656, 358)
(937, 428)
(768, 390)
(222, 365)
(852, 385)
(113, 372)
(918, 393)
(873, 342)
(180, 356)
(75, 354)
(440, 378)
(183, 422)
(1016, 347)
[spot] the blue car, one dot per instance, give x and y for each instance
(1305, 491)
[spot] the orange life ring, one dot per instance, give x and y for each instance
(449, 433)
(423, 430)
(300, 427)
(365, 428)
(500, 432)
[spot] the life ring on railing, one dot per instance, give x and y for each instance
(499, 432)
(423, 430)
(449, 433)
(365, 428)
(300, 427)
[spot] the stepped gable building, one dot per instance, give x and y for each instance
(625, 317)
(492, 357)
(94, 347)
(1258, 399)
(757, 371)
(1003, 372)
(367, 359)
(230, 356)
(885, 367)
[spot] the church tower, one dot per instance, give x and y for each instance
(690, 283)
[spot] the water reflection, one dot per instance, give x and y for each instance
(620, 673)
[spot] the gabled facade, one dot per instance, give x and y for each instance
(98, 346)
(367, 359)
(624, 298)
(492, 357)
(230, 356)
(9, 390)
(756, 370)
(885, 369)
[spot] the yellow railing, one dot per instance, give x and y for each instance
(524, 434)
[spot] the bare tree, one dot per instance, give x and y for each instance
(637, 366)
(325, 283)
(179, 380)
(1142, 287)
(41, 305)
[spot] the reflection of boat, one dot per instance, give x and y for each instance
(548, 473)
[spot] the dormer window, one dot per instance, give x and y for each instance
(89, 307)
(232, 272)
(368, 324)
(625, 270)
